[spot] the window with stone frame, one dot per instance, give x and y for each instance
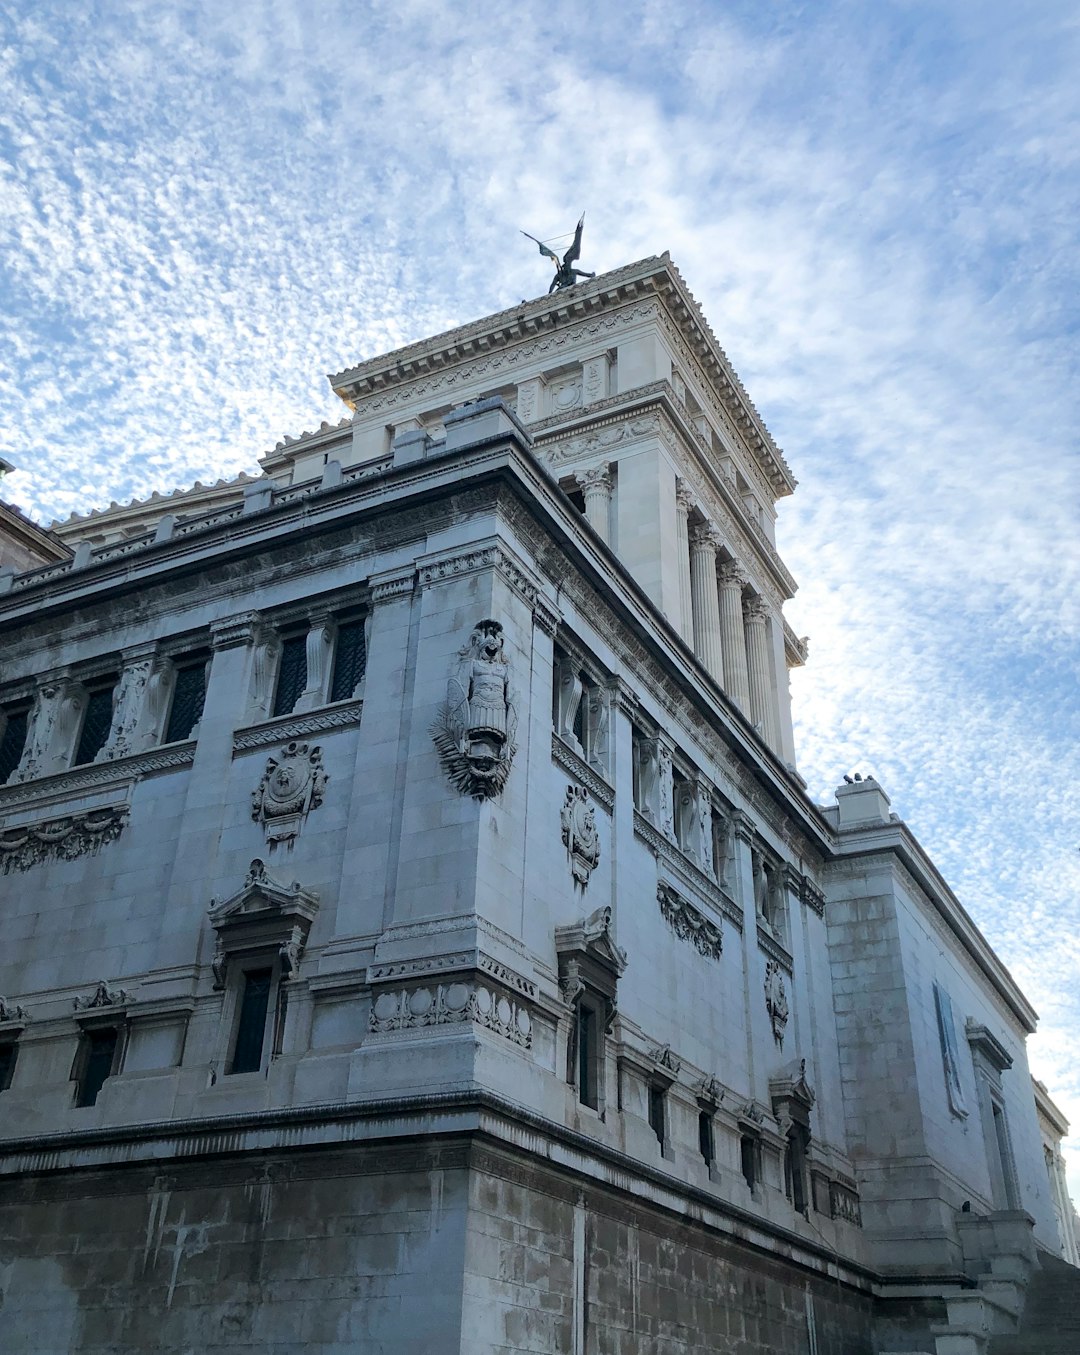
(645, 772)
(657, 1110)
(188, 695)
(585, 1050)
(9, 1055)
(320, 661)
(14, 725)
(581, 708)
(750, 1157)
(96, 720)
(97, 1058)
(770, 896)
(706, 1137)
(721, 828)
(796, 1147)
(991, 1059)
(590, 964)
(257, 994)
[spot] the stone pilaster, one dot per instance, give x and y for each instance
(736, 678)
(704, 542)
(684, 502)
(762, 702)
(129, 732)
(319, 652)
(596, 487)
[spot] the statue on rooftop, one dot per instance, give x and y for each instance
(566, 275)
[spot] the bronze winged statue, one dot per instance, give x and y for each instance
(565, 272)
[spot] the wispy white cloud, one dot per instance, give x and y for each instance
(203, 208)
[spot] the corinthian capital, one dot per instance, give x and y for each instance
(598, 477)
(731, 576)
(704, 536)
(756, 610)
(684, 497)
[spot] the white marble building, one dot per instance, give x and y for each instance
(418, 932)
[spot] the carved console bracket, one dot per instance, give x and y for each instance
(61, 839)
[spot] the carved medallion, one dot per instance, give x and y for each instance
(579, 835)
(292, 785)
(475, 727)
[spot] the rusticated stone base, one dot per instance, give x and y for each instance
(448, 1248)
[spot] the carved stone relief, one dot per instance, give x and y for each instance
(60, 839)
(579, 835)
(688, 924)
(776, 1000)
(102, 996)
(292, 785)
(416, 1009)
(12, 1011)
(475, 727)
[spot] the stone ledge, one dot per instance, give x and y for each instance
(285, 728)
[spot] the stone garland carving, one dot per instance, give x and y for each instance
(579, 835)
(688, 924)
(449, 1004)
(475, 727)
(60, 839)
(776, 1000)
(292, 785)
(600, 439)
(102, 996)
(12, 1011)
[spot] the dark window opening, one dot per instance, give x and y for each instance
(749, 1149)
(98, 1057)
(581, 724)
(292, 674)
(9, 1053)
(656, 1113)
(189, 694)
(95, 726)
(12, 742)
(251, 1025)
(706, 1141)
(795, 1170)
(588, 1056)
(576, 497)
(350, 660)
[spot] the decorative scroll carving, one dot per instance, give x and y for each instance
(102, 996)
(292, 785)
(579, 835)
(688, 924)
(475, 727)
(415, 1009)
(776, 1000)
(60, 839)
(262, 917)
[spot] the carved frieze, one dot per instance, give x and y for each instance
(443, 1004)
(776, 1000)
(475, 727)
(688, 924)
(60, 839)
(341, 715)
(292, 785)
(579, 835)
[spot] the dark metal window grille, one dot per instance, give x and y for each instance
(12, 743)
(98, 1058)
(251, 1027)
(189, 693)
(350, 660)
(8, 1055)
(292, 674)
(656, 1112)
(95, 727)
(705, 1136)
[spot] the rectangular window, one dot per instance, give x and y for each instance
(750, 1150)
(96, 1057)
(97, 721)
(13, 726)
(189, 694)
(9, 1053)
(656, 1112)
(587, 1056)
(706, 1141)
(251, 1024)
(350, 660)
(292, 674)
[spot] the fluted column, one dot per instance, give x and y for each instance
(705, 602)
(762, 712)
(684, 501)
(736, 678)
(596, 488)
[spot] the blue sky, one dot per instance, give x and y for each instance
(205, 208)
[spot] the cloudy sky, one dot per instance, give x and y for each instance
(206, 207)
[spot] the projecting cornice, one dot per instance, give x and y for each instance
(656, 276)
